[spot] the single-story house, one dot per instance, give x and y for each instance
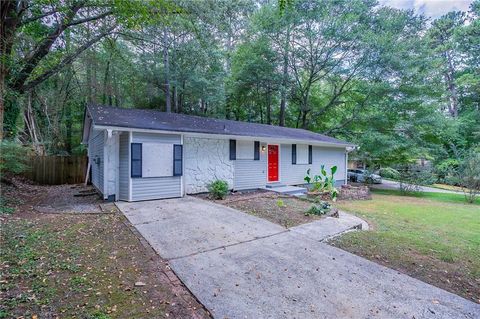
(137, 154)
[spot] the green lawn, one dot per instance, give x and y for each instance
(443, 197)
(431, 236)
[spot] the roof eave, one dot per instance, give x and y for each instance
(226, 135)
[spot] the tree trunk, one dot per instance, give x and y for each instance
(182, 98)
(283, 100)
(105, 82)
(9, 20)
(175, 99)
(452, 88)
(68, 127)
(166, 66)
(304, 120)
(269, 106)
(298, 118)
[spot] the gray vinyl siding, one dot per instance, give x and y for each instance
(293, 174)
(96, 148)
(156, 187)
(139, 137)
(250, 174)
(124, 173)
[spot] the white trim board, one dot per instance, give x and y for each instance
(227, 136)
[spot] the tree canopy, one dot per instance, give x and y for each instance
(399, 85)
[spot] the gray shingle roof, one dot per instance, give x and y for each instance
(156, 120)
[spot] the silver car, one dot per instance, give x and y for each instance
(363, 176)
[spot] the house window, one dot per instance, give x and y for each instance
(157, 160)
(233, 150)
(256, 151)
(177, 160)
(136, 160)
(302, 154)
(245, 150)
(294, 153)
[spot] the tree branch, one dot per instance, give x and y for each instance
(35, 18)
(88, 19)
(67, 60)
(42, 50)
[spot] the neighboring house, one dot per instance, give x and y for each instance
(139, 154)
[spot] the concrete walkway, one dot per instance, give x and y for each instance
(240, 266)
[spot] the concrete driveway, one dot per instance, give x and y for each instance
(240, 266)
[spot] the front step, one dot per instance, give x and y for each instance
(275, 185)
(288, 190)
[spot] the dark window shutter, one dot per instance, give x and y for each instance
(256, 151)
(294, 153)
(177, 160)
(233, 150)
(310, 154)
(136, 159)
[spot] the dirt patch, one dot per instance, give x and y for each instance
(82, 265)
(284, 210)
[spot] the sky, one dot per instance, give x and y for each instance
(430, 8)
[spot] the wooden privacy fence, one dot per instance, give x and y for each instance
(56, 170)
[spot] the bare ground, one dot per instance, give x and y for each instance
(76, 265)
(284, 210)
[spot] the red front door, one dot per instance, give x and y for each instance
(273, 163)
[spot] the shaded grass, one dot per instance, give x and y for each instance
(431, 236)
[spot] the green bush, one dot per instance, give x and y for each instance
(13, 157)
(319, 209)
(218, 189)
(323, 182)
(445, 171)
(388, 172)
(468, 174)
(411, 180)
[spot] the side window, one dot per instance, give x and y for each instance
(177, 160)
(233, 150)
(256, 151)
(294, 153)
(136, 159)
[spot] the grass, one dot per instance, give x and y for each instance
(432, 236)
(442, 197)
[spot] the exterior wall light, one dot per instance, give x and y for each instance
(263, 148)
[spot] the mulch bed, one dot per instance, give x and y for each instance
(67, 265)
(284, 210)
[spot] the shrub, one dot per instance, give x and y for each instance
(388, 172)
(411, 180)
(323, 182)
(13, 157)
(468, 174)
(445, 171)
(218, 189)
(319, 209)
